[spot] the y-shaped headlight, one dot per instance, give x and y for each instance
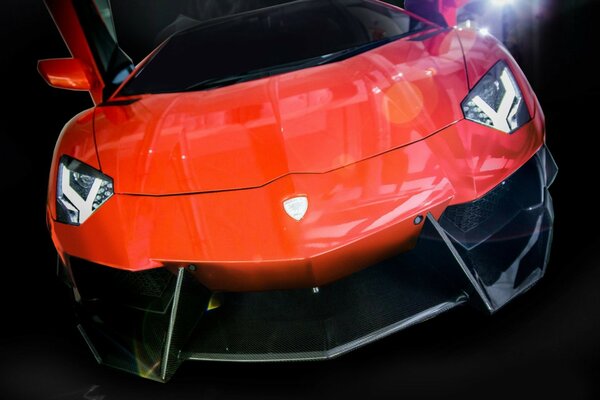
(497, 101)
(81, 190)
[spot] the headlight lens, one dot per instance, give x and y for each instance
(81, 190)
(497, 101)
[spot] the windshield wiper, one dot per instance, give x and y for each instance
(214, 83)
(353, 51)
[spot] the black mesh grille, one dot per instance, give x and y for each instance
(302, 324)
(471, 224)
(145, 289)
(469, 216)
(150, 283)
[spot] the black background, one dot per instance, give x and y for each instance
(545, 344)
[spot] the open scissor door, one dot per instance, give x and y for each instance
(88, 29)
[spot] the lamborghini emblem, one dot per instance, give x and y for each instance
(296, 207)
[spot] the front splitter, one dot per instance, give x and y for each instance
(483, 253)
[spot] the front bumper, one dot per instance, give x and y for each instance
(358, 215)
(483, 253)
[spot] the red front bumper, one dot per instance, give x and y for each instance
(357, 215)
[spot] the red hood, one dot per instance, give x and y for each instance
(309, 121)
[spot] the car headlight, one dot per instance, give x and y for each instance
(81, 190)
(497, 101)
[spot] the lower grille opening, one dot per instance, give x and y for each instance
(469, 216)
(145, 290)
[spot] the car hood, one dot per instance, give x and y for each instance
(313, 120)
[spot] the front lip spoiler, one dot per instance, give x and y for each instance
(483, 253)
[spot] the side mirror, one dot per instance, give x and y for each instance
(66, 73)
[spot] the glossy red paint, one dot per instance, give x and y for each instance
(243, 240)
(372, 142)
(66, 73)
(310, 121)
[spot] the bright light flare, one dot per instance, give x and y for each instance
(502, 3)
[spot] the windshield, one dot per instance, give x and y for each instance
(269, 41)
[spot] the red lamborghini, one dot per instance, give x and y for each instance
(291, 182)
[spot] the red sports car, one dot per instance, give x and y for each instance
(291, 182)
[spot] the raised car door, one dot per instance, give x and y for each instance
(88, 29)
